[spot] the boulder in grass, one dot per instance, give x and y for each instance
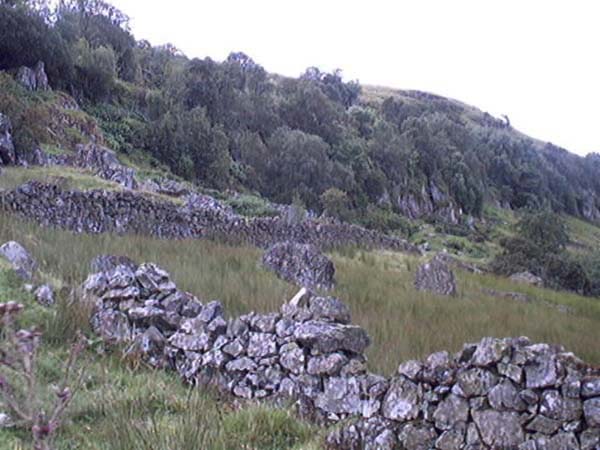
(301, 264)
(19, 258)
(435, 276)
(527, 278)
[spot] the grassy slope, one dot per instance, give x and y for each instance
(378, 287)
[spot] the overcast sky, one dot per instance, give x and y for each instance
(536, 61)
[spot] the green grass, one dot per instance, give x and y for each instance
(66, 177)
(402, 323)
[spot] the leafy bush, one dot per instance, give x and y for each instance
(251, 206)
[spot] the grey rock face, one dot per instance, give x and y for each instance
(19, 258)
(105, 164)
(329, 309)
(7, 148)
(302, 264)
(33, 79)
(435, 276)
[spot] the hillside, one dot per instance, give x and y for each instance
(204, 255)
(367, 154)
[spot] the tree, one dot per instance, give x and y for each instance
(335, 203)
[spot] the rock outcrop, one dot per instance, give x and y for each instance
(19, 258)
(494, 394)
(7, 148)
(130, 212)
(104, 163)
(301, 264)
(435, 276)
(527, 278)
(33, 79)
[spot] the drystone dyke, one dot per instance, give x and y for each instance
(496, 394)
(130, 212)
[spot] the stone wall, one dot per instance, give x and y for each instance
(494, 394)
(132, 212)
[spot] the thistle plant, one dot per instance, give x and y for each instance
(20, 390)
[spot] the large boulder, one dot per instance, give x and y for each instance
(435, 276)
(527, 278)
(302, 264)
(19, 258)
(7, 148)
(104, 163)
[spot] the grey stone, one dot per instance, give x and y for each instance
(243, 364)
(150, 345)
(112, 326)
(402, 400)
(591, 411)
(326, 364)
(417, 436)
(19, 258)
(265, 323)
(489, 351)
(555, 406)
(330, 309)
(44, 295)
(410, 369)
(544, 425)
(541, 372)
(193, 343)
(261, 345)
(210, 311)
(476, 382)
(505, 396)
(450, 412)
(292, 358)
(105, 164)
(340, 396)
(590, 387)
(499, 429)
(450, 440)
(590, 439)
(328, 337)
(235, 348)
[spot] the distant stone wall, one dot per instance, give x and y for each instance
(132, 212)
(494, 394)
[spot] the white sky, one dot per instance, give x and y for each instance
(536, 61)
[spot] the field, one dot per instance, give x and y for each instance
(402, 322)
